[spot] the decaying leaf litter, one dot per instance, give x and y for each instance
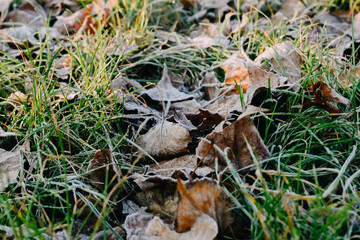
(249, 143)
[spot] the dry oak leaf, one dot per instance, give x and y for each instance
(103, 169)
(201, 197)
(234, 137)
(165, 140)
(283, 58)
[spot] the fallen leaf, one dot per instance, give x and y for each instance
(30, 13)
(17, 98)
(204, 228)
(9, 167)
(210, 86)
(224, 104)
(157, 191)
(292, 8)
(165, 140)
(63, 66)
(206, 41)
(189, 106)
(261, 78)
(103, 169)
(233, 137)
(85, 20)
(208, 35)
(356, 26)
(322, 95)
(164, 90)
(284, 59)
(135, 225)
(201, 197)
(185, 163)
(247, 5)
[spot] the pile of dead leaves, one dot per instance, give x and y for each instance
(187, 137)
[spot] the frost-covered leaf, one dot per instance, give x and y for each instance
(323, 94)
(284, 59)
(9, 167)
(234, 137)
(63, 66)
(164, 90)
(292, 8)
(204, 228)
(165, 140)
(201, 197)
(103, 170)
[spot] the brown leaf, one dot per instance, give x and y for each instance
(158, 191)
(322, 95)
(284, 59)
(292, 8)
(234, 137)
(29, 13)
(236, 72)
(164, 91)
(103, 169)
(201, 197)
(210, 85)
(135, 225)
(224, 104)
(204, 228)
(63, 66)
(165, 140)
(185, 163)
(85, 20)
(17, 98)
(9, 167)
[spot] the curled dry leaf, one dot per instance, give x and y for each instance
(165, 140)
(283, 58)
(103, 169)
(85, 20)
(322, 95)
(261, 78)
(198, 198)
(236, 72)
(157, 191)
(190, 106)
(233, 137)
(249, 76)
